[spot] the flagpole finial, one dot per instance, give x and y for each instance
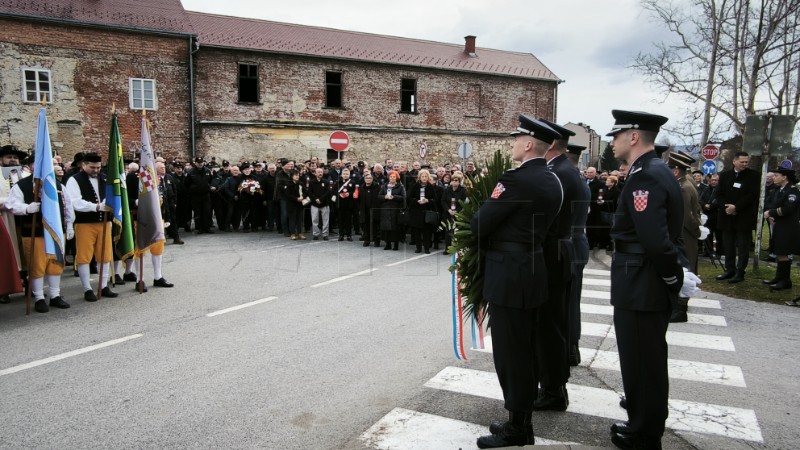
(113, 107)
(144, 113)
(44, 99)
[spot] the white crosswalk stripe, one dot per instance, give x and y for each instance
(407, 429)
(736, 423)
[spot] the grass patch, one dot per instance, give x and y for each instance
(751, 288)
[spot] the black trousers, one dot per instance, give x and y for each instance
(345, 221)
(423, 237)
(201, 205)
(552, 336)
(574, 305)
(370, 228)
(220, 208)
(514, 351)
(295, 219)
(736, 242)
(642, 346)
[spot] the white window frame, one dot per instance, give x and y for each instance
(131, 90)
(38, 91)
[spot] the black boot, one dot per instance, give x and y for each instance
(418, 250)
(396, 246)
(679, 309)
(552, 400)
(782, 275)
(517, 431)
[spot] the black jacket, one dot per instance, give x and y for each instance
(320, 192)
(743, 191)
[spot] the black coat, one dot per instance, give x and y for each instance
(391, 209)
(368, 200)
(198, 181)
(344, 194)
(786, 212)
(416, 211)
(649, 214)
(321, 190)
(291, 192)
(742, 191)
(452, 199)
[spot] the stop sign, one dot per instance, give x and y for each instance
(339, 141)
(710, 151)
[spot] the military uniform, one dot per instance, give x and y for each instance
(645, 276)
(581, 245)
(785, 216)
(513, 224)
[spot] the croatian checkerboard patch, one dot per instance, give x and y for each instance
(640, 200)
(498, 190)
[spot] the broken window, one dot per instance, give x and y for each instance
(333, 89)
(408, 95)
(248, 83)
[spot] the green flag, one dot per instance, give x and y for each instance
(117, 196)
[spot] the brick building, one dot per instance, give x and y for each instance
(240, 88)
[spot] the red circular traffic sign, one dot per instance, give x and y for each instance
(339, 141)
(710, 151)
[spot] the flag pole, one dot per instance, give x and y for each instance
(31, 253)
(102, 255)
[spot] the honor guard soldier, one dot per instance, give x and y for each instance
(645, 276)
(86, 191)
(581, 244)
(513, 224)
(559, 253)
(785, 218)
(21, 202)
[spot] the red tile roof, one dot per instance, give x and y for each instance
(153, 15)
(241, 33)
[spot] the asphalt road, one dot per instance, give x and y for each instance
(338, 346)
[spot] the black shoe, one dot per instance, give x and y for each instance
(350, 238)
(118, 279)
(678, 316)
(107, 292)
(316, 238)
(781, 285)
(738, 278)
(58, 302)
(75, 273)
(324, 238)
(396, 246)
(772, 281)
(509, 435)
(726, 275)
(41, 306)
(341, 237)
(180, 242)
(621, 428)
(161, 282)
(143, 285)
(635, 442)
(551, 401)
(130, 276)
(378, 244)
(366, 244)
(4, 299)
(89, 296)
(623, 403)
(574, 355)
(388, 246)
(418, 250)
(427, 251)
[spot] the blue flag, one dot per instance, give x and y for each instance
(43, 172)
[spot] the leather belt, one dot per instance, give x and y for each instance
(506, 246)
(629, 247)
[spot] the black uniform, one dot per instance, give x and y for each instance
(513, 223)
(198, 183)
(786, 212)
(645, 275)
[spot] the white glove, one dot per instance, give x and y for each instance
(70, 233)
(33, 207)
(704, 232)
(703, 219)
(166, 224)
(690, 283)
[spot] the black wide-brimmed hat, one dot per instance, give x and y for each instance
(636, 120)
(791, 174)
(536, 129)
(12, 150)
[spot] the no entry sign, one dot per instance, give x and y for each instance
(710, 151)
(339, 141)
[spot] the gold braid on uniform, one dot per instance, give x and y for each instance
(467, 248)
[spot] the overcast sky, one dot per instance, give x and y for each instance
(586, 43)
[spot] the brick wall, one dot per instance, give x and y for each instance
(90, 69)
(291, 119)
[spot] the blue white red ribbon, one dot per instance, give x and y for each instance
(458, 316)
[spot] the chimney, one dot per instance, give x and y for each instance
(469, 45)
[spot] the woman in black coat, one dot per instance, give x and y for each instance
(369, 210)
(392, 197)
(452, 197)
(421, 200)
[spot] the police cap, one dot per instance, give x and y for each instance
(636, 120)
(565, 133)
(536, 129)
(788, 173)
(660, 149)
(575, 149)
(680, 160)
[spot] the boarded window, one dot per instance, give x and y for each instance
(36, 84)
(248, 83)
(333, 89)
(408, 95)
(142, 94)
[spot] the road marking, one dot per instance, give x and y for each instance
(678, 369)
(346, 277)
(597, 272)
(273, 248)
(80, 351)
(735, 423)
(411, 259)
(404, 429)
(696, 319)
(236, 308)
(596, 282)
(676, 338)
(600, 295)
(693, 302)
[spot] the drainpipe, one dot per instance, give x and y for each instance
(194, 47)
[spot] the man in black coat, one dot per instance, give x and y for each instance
(198, 183)
(513, 224)
(646, 274)
(736, 198)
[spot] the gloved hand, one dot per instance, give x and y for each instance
(33, 207)
(166, 224)
(70, 233)
(690, 283)
(703, 219)
(704, 232)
